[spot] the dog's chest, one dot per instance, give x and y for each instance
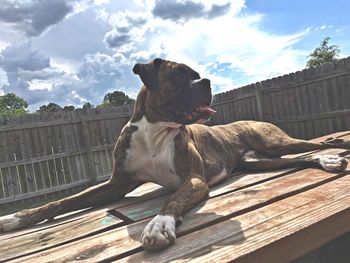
(151, 155)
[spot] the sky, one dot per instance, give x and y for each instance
(75, 51)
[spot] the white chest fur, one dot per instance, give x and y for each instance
(151, 153)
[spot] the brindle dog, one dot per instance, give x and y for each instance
(163, 144)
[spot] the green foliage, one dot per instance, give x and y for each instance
(69, 108)
(104, 104)
(12, 105)
(323, 54)
(51, 107)
(116, 98)
(87, 105)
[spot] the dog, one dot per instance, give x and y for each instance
(166, 143)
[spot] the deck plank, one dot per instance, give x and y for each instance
(142, 193)
(279, 232)
(64, 233)
(121, 241)
(71, 228)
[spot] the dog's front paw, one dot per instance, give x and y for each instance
(9, 222)
(332, 163)
(159, 233)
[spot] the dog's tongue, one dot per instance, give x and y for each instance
(207, 109)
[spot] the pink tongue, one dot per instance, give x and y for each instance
(207, 109)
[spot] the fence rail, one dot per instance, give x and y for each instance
(306, 104)
(41, 154)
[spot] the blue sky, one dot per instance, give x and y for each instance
(290, 16)
(75, 51)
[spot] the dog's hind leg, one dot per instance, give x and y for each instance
(254, 161)
(269, 140)
(103, 193)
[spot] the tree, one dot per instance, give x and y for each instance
(12, 105)
(69, 108)
(51, 107)
(323, 54)
(87, 105)
(116, 98)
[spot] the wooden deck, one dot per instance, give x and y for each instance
(253, 217)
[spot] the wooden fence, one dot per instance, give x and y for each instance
(44, 154)
(50, 153)
(306, 104)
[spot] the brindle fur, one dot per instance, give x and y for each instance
(200, 152)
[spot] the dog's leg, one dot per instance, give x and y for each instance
(269, 140)
(160, 231)
(103, 193)
(117, 187)
(254, 161)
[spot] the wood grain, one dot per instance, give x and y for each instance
(279, 232)
(72, 226)
(123, 240)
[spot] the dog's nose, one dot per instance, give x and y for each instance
(137, 68)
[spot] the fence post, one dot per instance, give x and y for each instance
(259, 101)
(91, 169)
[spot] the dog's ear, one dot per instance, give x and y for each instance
(149, 73)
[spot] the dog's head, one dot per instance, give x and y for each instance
(175, 92)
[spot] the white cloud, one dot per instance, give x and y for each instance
(99, 68)
(145, 4)
(101, 2)
(18, 57)
(128, 29)
(66, 65)
(102, 14)
(231, 39)
(93, 50)
(33, 17)
(31, 75)
(39, 84)
(322, 27)
(181, 11)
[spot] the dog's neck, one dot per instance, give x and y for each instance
(139, 108)
(141, 115)
(156, 132)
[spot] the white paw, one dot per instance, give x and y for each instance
(332, 163)
(159, 233)
(9, 222)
